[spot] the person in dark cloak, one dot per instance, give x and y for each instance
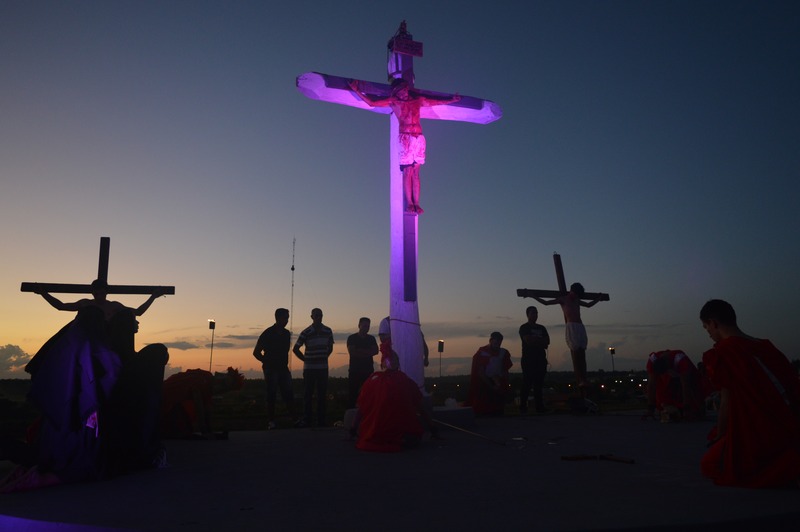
(98, 401)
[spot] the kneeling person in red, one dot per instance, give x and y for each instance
(756, 443)
(389, 408)
(674, 387)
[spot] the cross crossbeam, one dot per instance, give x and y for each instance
(562, 286)
(102, 274)
(336, 89)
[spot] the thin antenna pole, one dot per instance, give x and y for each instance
(291, 304)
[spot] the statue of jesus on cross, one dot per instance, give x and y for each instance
(405, 103)
(406, 106)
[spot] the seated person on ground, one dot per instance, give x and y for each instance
(390, 415)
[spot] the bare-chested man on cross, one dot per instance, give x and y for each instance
(405, 103)
(100, 300)
(577, 340)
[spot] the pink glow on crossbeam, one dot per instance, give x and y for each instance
(334, 89)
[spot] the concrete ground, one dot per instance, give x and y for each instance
(511, 476)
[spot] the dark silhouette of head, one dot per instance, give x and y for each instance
(122, 329)
(720, 311)
(99, 289)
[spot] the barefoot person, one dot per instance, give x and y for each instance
(405, 103)
(577, 340)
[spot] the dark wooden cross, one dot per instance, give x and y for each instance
(102, 274)
(562, 286)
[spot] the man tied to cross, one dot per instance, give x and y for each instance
(100, 289)
(571, 302)
(405, 103)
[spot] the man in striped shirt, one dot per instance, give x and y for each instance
(318, 341)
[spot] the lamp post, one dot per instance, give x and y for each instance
(211, 325)
(612, 351)
(441, 350)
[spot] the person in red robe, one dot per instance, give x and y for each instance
(756, 442)
(488, 387)
(674, 388)
(391, 415)
(186, 403)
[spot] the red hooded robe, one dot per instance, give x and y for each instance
(761, 445)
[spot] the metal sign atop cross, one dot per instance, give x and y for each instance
(102, 274)
(562, 286)
(403, 310)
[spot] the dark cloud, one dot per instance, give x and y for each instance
(12, 362)
(244, 337)
(171, 370)
(341, 337)
(182, 346)
(223, 345)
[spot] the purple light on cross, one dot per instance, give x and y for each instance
(403, 307)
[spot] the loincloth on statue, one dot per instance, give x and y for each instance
(412, 149)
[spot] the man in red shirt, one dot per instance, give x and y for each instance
(756, 442)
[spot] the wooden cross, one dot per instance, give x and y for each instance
(562, 286)
(403, 309)
(102, 274)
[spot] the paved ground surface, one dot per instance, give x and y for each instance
(512, 478)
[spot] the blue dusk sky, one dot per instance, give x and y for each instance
(654, 144)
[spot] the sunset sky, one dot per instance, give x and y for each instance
(654, 144)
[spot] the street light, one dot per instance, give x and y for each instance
(612, 351)
(441, 350)
(211, 325)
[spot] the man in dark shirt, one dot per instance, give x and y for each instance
(361, 346)
(272, 350)
(535, 341)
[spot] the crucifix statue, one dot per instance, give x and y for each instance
(406, 105)
(570, 300)
(99, 288)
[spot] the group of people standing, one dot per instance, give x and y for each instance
(390, 404)
(489, 377)
(313, 346)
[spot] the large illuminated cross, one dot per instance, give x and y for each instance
(403, 309)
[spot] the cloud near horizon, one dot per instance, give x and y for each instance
(12, 362)
(181, 345)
